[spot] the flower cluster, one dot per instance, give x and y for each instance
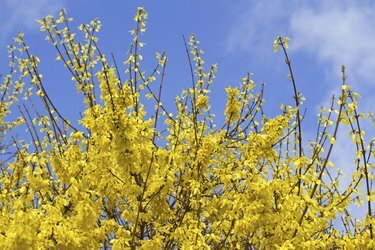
(131, 177)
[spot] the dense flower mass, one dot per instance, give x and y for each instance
(126, 176)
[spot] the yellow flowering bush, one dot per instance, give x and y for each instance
(129, 177)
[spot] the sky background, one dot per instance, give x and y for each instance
(238, 35)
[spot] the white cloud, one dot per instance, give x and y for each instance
(335, 33)
(338, 34)
(22, 14)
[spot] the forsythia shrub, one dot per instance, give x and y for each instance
(123, 178)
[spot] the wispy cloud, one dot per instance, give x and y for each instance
(338, 34)
(334, 33)
(22, 14)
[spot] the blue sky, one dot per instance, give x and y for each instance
(238, 35)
